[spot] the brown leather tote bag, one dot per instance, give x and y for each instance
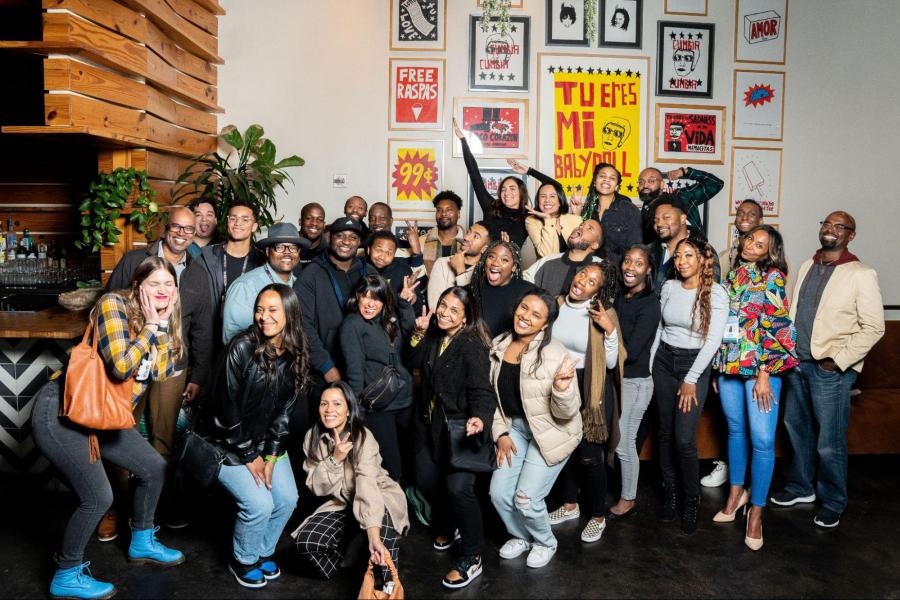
(91, 398)
(368, 591)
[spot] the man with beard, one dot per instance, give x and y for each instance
(446, 239)
(449, 271)
(692, 197)
(554, 273)
(312, 228)
(282, 248)
(838, 316)
(408, 251)
(323, 289)
(204, 211)
(671, 226)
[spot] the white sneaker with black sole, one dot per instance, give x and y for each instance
(514, 548)
(561, 515)
(785, 498)
(717, 476)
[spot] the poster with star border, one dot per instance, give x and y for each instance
(758, 105)
(415, 173)
(684, 59)
(592, 108)
(499, 62)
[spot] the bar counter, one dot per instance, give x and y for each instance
(52, 323)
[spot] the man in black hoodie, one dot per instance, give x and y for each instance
(671, 226)
(381, 248)
(323, 289)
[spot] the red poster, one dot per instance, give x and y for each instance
(416, 94)
(495, 127)
(690, 133)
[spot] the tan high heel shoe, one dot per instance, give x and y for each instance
(752, 543)
(724, 517)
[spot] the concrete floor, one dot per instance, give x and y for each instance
(636, 558)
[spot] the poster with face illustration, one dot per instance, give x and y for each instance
(418, 24)
(417, 94)
(687, 134)
(685, 59)
(494, 127)
(620, 23)
(566, 24)
(499, 61)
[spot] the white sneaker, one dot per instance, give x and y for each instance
(717, 476)
(560, 515)
(593, 531)
(539, 556)
(514, 548)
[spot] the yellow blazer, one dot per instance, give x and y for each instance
(850, 318)
(543, 232)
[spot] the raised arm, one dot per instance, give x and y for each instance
(481, 193)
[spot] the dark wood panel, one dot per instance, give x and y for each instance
(38, 193)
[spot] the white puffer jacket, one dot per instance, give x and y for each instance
(554, 417)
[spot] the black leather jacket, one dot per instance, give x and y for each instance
(246, 414)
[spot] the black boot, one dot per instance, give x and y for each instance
(689, 516)
(670, 501)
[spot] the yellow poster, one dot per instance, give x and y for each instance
(592, 111)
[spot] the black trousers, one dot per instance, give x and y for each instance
(678, 430)
(393, 431)
(589, 461)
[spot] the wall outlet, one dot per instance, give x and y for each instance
(339, 180)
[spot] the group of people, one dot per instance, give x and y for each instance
(536, 369)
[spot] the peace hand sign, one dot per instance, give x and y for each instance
(408, 292)
(576, 203)
(564, 375)
(421, 325)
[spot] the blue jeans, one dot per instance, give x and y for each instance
(816, 414)
(518, 492)
(743, 414)
(262, 513)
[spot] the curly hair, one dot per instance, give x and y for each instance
(609, 289)
(478, 272)
(593, 196)
(702, 309)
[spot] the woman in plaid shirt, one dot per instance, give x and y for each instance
(139, 339)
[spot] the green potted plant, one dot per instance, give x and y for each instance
(106, 200)
(251, 174)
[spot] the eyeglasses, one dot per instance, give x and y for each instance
(183, 228)
(286, 248)
(242, 220)
(835, 226)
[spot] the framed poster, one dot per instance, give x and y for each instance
(756, 174)
(496, 61)
(415, 174)
(620, 23)
(760, 31)
(687, 134)
(492, 178)
(494, 127)
(592, 109)
(419, 25)
(417, 94)
(686, 7)
(758, 105)
(684, 59)
(566, 24)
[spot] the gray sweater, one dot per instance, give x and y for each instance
(676, 328)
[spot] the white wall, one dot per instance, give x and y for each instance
(314, 74)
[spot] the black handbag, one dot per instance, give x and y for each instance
(198, 457)
(379, 394)
(469, 453)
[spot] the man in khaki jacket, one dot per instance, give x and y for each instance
(838, 313)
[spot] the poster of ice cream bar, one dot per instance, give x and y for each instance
(756, 174)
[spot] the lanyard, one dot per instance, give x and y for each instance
(225, 268)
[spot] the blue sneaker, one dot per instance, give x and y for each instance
(76, 582)
(269, 569)
(145, 548)
(249, 576)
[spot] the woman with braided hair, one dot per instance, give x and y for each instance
(694, 311)
(588, 328)
(497, 285)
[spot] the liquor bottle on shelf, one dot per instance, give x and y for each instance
(2, 245)
(42, 252)
(53, 253)
(62, 257)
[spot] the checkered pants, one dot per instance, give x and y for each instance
(321, 537)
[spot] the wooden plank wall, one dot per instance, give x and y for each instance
(133, 81)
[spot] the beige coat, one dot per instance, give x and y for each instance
(365, 485)
(544, 235)
(554, 417)
(442, 278)
(850, 318)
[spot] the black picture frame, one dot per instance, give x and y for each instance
(604, 35)
(490, 79)
(675, 76)
(551, 18)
